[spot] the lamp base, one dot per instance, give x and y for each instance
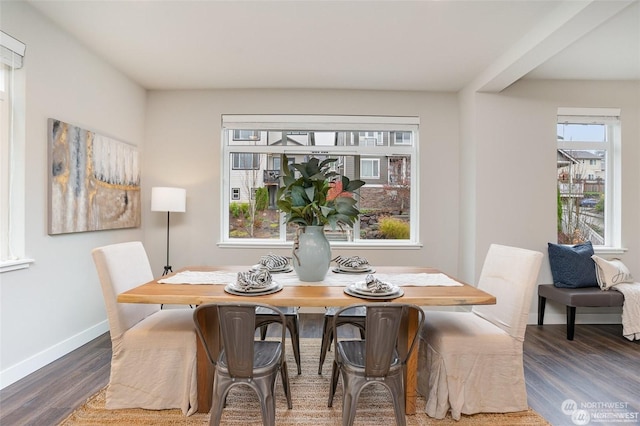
(167, 269)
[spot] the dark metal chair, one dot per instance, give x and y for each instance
(354, 316)
(264, 317)
(376, 359)
(227, 332)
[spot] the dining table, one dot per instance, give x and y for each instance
(421, 286)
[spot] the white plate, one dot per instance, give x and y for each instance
(238, 289)
(340, 270)
(284, 269)
(361, 288)
(232, 289)
(374, 296)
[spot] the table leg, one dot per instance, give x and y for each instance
(205, 372)
(408, 329)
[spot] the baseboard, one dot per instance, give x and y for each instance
(19, 371)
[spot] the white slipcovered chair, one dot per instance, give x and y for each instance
(153, 365)
(471, 362)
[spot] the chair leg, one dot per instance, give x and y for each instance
(218, 402)
(350, 402)
(542, 301)
(335, 374)
(267, 399)
(263, 331)
(396, 389)
(294, 331)
(284, 375)
(327, 336)
(571, 321)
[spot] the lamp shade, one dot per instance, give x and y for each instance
(165, 199)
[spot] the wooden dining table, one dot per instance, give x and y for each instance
(311, 295)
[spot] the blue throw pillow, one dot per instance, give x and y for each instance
(572, 266)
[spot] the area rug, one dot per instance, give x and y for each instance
(309, 393)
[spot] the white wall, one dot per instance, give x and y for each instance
(515, 141)
(56, 305)
(183, 141)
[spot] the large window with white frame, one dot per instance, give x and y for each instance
(588, 174)
(365, 147)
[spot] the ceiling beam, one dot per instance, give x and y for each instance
(567, 23)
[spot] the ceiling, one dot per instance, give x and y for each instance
(441, 45)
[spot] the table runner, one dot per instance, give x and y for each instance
(332, 279)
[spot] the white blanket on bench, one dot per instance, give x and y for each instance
(630, 309)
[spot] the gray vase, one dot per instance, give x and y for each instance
(311, 253)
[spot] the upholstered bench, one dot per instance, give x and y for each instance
(573, 298)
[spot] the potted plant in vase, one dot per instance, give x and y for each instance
(317, 197)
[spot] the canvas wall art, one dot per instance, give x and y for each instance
(94, 181)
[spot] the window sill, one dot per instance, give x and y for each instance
(609, 251)
(334, 244)
(14, 265)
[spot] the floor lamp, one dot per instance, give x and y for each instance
(164, 199)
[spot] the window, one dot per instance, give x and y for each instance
(245, 135)
(12, 155)
(588, 173)
(403, 138)
(371, 138)
(360, 144)
(243, 161)
(370, 168)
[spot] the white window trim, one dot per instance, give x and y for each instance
(320, 123)
(14, 170)
(613, 146)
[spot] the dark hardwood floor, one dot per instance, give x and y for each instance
(599, 370)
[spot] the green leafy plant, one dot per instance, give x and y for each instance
(262, 198)
(318, 196)
(394, 229)
(239, 209)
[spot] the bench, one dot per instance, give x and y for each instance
(574, 298)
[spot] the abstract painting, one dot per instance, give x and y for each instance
(94, 181)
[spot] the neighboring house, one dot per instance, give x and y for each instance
(580, 172)
(250, 171)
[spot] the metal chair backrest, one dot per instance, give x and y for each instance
(381, 334)
(232, 326)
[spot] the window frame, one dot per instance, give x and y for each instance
(13, 153)
(612, 146)
(318, 124)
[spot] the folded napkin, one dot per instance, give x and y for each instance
(376, 286)
(351, 262)
(253, 279)
(272, 261)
